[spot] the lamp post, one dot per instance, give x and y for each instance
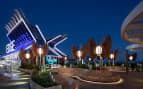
(65, 59)
(131, 58)
(40, 52)
(112, 57)
(89, 59)
(109, 63)
(90, 66)
(99, 52)
(79, 55)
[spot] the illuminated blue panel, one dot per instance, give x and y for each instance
(21, 36)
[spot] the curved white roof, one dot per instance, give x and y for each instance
(135, 47)
(132, 27)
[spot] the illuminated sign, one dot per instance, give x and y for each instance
(10, 47)
(51, 60)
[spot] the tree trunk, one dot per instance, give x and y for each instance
(113, 62)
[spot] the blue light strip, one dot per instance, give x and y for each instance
(22, 46)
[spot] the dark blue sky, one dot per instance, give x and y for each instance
(80, 19)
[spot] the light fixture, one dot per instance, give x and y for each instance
(89, 59)
(27, 55)
(79, 53)
(99, 50)
(131, 58)
(40, 51)
(112, 56)
(66, 57)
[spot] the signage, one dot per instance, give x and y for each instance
(10, 47)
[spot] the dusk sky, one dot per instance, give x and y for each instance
(80, 19)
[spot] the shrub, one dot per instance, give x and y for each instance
(28, 66)
(68, 65)
(94, 67)
(82, 66)
(43, 79)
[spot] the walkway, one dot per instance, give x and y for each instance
(14, 80)
(19, 80)
(132, 81)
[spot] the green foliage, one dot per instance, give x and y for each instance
(133, 66)
(68, 65)
(28, 66)
(94, 67)
(119, 64)
(43, 79)
(85, 66)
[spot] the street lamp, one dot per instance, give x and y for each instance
(99, 52)
(89, 59)
(40, 52)
(112, 56)
(131, 58)
(79, 54)
(65, 59)
(90, 66)
(27, 56)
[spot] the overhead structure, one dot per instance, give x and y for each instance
(21, 34)
(135, 47)
(132, 28)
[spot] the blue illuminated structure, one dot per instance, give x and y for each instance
(21, 34)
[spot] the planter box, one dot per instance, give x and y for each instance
(34, 85)
(90, 75)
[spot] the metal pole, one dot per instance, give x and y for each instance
(127, 64)
(109, 63)
(100, 62)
